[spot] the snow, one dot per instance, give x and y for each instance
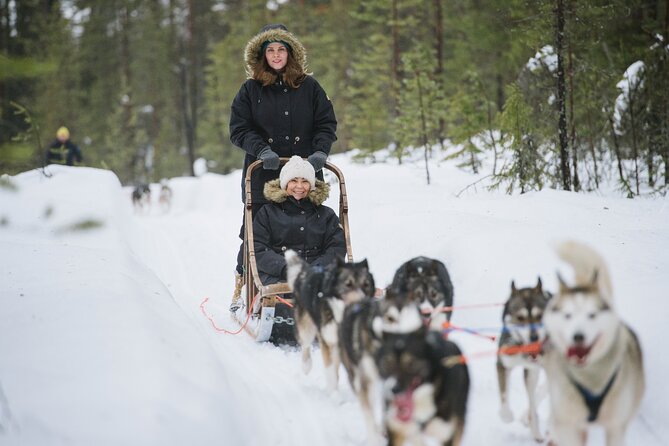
(545, 57)
(631, 82)
(103, 340)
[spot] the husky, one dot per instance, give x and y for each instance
(425, 388)
(426, 282)
(360, 334)
(521, 327)
(593, 360)
(320, 295)
(165, 197)
(141, 197)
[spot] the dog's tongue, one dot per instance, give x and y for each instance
(404, 404)
(578, 351)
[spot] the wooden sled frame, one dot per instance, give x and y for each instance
(261, 299)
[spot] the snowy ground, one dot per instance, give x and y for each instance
(102, 340)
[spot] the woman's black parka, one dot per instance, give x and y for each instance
(291, 121)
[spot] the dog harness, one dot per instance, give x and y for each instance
(594, 402)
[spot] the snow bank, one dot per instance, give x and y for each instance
(94, 348)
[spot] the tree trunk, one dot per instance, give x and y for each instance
(572, 125)
(635, 149)
(616, 150)
(191, 75)
(423, 123)
(395, 68)
(492, 138)
(665, 114)
(395, 61)
(128, 131)
(593, 151)
(562, 115)
(439, 49)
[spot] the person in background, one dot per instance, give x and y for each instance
(279, 111)
(62, 150)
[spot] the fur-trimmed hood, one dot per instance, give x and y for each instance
(317, 196)
(252, 54)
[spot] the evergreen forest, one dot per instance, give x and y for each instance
(558, 93)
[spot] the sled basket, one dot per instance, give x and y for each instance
(270, 311)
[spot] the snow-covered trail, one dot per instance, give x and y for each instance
(192, 250)
(485, 239)
(102, 340)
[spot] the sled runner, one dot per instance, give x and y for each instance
(268, 308)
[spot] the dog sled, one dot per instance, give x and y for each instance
(267, 313)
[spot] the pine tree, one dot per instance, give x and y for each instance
(527, 165)
(416, 124)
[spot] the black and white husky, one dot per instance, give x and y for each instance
(360, 336)
(593, 360)
(426, 386)
(320, 295)
(520, 346)
(426, 282)
(141, 198)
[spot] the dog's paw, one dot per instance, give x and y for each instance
(505, 414)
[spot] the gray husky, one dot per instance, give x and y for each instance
(522, 328)
(593, 360)
(320, 296)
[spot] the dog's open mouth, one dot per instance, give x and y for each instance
(404, 404)
(579, 352)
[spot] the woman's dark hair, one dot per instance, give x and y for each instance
(293, 73)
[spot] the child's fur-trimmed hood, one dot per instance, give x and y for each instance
(317, 195)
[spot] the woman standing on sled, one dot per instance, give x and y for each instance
(295, 218)
(279, 111)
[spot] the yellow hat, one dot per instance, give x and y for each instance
(63, 132)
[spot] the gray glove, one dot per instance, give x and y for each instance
(317, 159)
(270, 160)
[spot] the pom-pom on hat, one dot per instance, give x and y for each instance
(297, 167)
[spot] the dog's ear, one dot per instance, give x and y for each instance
(371, 284)
(340, 262)
(364, 264)
(400, 277)
(442, 273)
(433, 268)
(410, 270)
(513, 287)
(539, 285)
(563, 285)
